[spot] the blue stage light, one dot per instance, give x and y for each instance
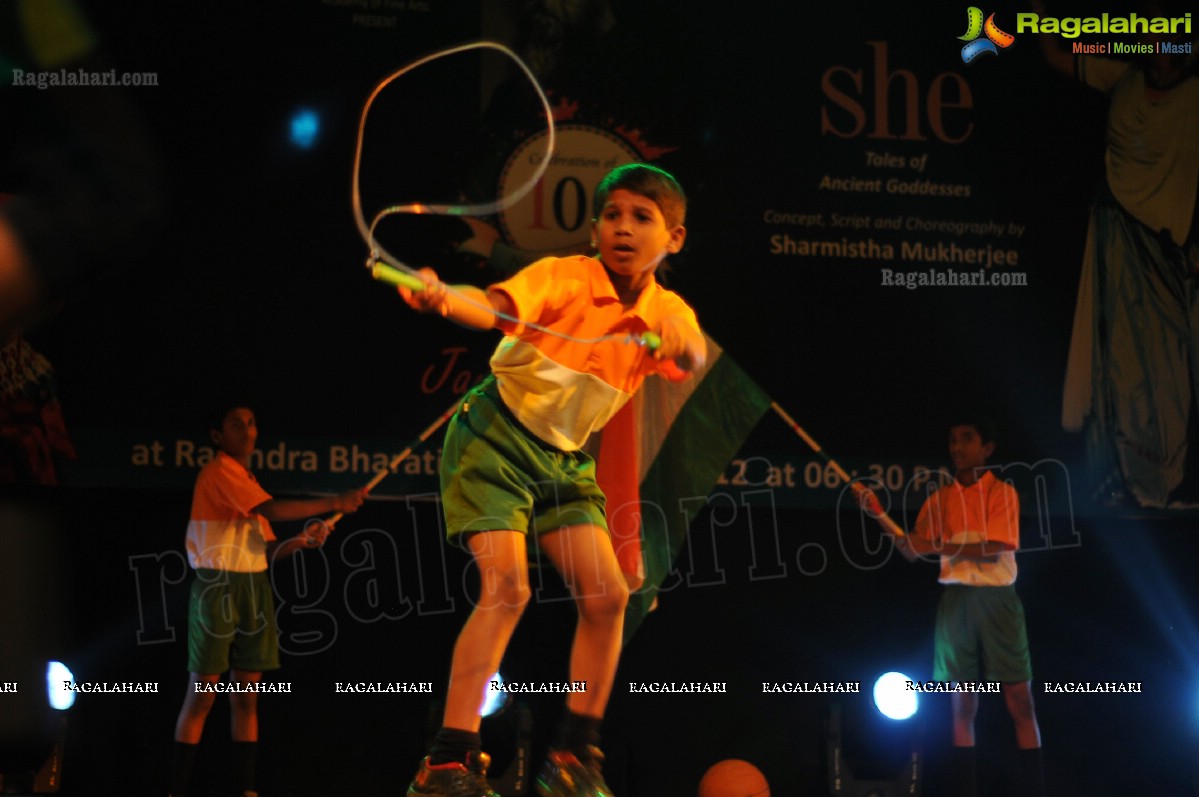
(305, 128)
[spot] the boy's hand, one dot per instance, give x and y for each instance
(681, 343)
(316, 531)
(431, 299)
(869, 501)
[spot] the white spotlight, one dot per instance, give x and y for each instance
(892, 696)
(495, 698)
(57, 676)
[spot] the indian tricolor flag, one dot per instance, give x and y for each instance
(671, 442)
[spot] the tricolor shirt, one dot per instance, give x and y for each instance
(224, 533)
(986, 511)
(563, 389)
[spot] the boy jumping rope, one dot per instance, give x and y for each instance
(512, 466)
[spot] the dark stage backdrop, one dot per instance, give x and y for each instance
(834, 157)
(842, 162)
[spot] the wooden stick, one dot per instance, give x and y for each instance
(400, 457)
(883, 518)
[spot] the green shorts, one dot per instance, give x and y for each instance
(986, 623)
(231, 623)
(495, 474)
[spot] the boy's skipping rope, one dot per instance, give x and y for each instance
(377, 252)
(870, 500)
(388, 268)
(398, 458)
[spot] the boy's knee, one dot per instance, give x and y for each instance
(198, 704)
(243, 702)
(1019, 702)
(518, 597)
(965, 706)
(506, 590)
(605, 605)
(620, 592)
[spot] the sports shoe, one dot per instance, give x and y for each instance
(453, 779)
(566, 775)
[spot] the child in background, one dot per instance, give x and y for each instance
(231, 612)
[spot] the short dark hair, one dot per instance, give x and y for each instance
(982, 423)
(220, 411)
(651, 182)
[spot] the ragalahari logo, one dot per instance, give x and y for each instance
(995, 39)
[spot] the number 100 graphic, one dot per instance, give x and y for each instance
(556, 215)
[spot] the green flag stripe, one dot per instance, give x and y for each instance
(720, 413)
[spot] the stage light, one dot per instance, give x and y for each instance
(305, 128)
(61, 697)
(893, 698)
(871, 755)
(495, 698)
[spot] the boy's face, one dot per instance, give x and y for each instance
(238, 433)
(631, 234)
(967, 449)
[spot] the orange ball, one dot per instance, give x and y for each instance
(733, 778)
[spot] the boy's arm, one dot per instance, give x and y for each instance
(914, 547)
(316, 531)
(313, 536)
(682, 342)
(1002, 514)
(987, 551)
(1001, 532)
(284, 509)
(868, 500)
(467, 305)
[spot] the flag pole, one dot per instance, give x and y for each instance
(400, 457)
(871, 505)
